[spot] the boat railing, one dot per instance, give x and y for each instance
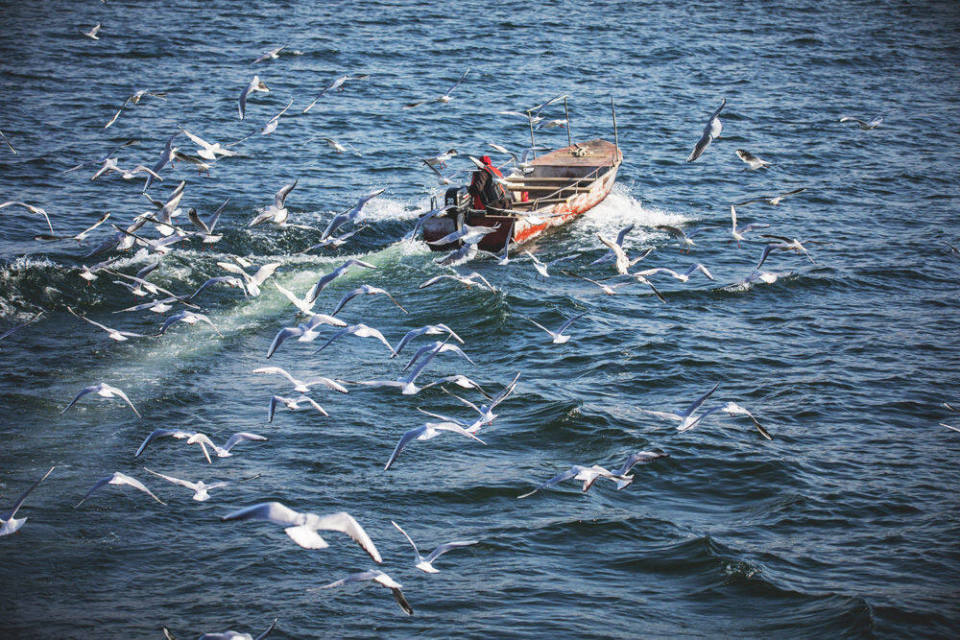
(529, 184)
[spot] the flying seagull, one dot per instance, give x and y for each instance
(426, 564)
(380, 578)
(710, 133)
(10, 524)
(104, 390)
(119, 479)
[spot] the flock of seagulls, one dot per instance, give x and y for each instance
(303, 527)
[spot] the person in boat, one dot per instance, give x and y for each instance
(486, 187)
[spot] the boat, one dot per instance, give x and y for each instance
(549, 192)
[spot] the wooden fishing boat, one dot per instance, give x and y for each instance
(553, 190)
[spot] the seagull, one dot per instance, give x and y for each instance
(206, 227)
(272, 123)
(774, 200)
(92, 34)
(7, 142)
(426, 564)
(872, 124)
(442, 179)
(330, 241)
(277, 212)
(293, 404)
(231, 635)
(558, 337)
(188, 317)
(686, 418)
(587, 475)
(302, 527)
(467, 235)
(380, 578)
(752, 160)
(526, 116)
(135, 99)
(438, 347)
(350, 215)
(168, 152)
(120, 479)
(222, 452)
(301, 304)
(470, 280)
(304, 332)
(206, 150)
(541, 267)
(440, 160)
(426, 432)
(446, 97)
(682, 277)
(710, 132)
(786, 244)
(503, 259)
(8, 523)
(340, 148)
(161, 246)
(163, 433)
(79, 237)
(623, 263)
(949, 427)
(486, 411)
(30, 208)
(738, 235)
(251, 283)
(273, 54)
(406, 383)
(430, 330)
(364, 289)
(612, 254)
(301, 386)
(641, 457)
(680, 235)
(115, 334)
(607, 289)
(168, 210)
(733, 409)
(549, 124)
(336, 273)
(200, 488)
(336, 84)
(255, 85)
(361, 331)
(103, 390)
(466, 253)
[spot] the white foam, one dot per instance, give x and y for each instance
(621, 209)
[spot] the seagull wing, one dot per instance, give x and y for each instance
(82, 393)
(416, 551)
(449, 546)
(275, 512)
(162, 433)
(699, 401)
(23, 496)
(560, 477)
(345, 523)
(404, 439)
(241, 436)
(569, 321)
(183, 483)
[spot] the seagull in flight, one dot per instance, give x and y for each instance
(335, 85)
(446, 97)
(206, 227)
(7, 142)
(92, 34)
(710, 133)
(426, 564)
(753, 161)
(255, 85)
(336, 273)
(774, 200)
(277, 212)
(8, 522)
(558, 335)
(205, 149)
(350, 215)
(640, 457)
(222, 452)
(785, 244)
(679, 234)
(738, 235)
(380, 578)
(301, 386)
(686, 417)
(115, 334)
(120, 479)
(734, 409)
(200, 488)
(865, 125)
(134, 98)
(364, 289)
(470, 280)
(79, 237)
(682, 277)
(293, 404)
(430, 330)
(587, 475)
(428, 431)
(103, 390)
(305, 331)
(272, 123)
(188, 317)
(273, 54)
(30, 208)
(623, 263)
(229, 635)
(541, 267)
(302, 527)
(163, 433)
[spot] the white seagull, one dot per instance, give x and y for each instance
(206, 150)
(351, 215)
(753, 161)
(380, 578)
(301, 386)
(734, 409)
(230, 635)
(872, 124)
(273, 122)
(679, 234)
(710, 133)
(302, 527)
(738, 234)
(188, 317)
(222, 452)
(774, 200)
(587, 475)
(426, 432)
(682, 277)
(426, 564)
(273, 54)
(200, 488)
(446, 97)
(92, 34)
(115, 334)
(305, 331)
(541, 267)
(430, 330)
(293, 404)
(686, 417)
(10, 524)
(163, 433)
(206, 227)
(336, 273)
(30, 208)
(119, 479)
(364, 289)
(336, 84)
(277, 212)
(103, 390)
(558, 335)
(255, 85)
